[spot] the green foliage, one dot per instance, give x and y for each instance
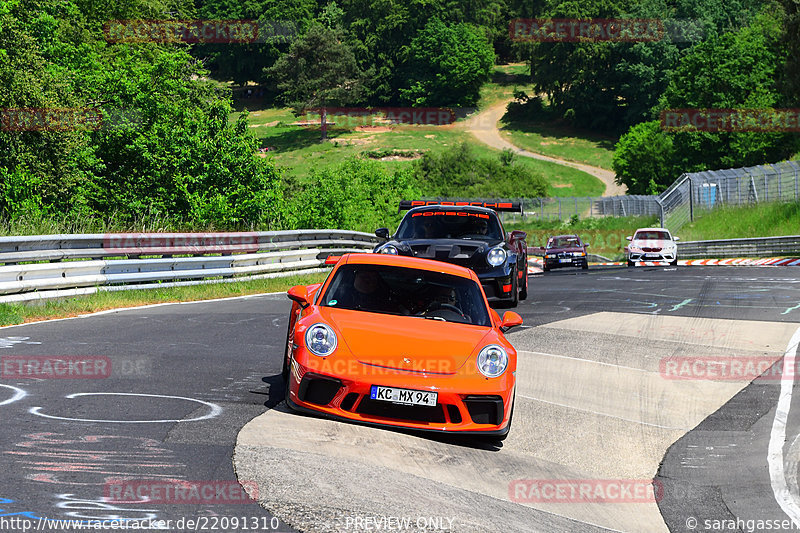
(507, 156)
(319, 70)
(458, 172)
(446, 65)
(791, 41)
(733, 70)
(609, 86)
(280, 21)
(164, 147)
(356, 195)
(644, 159)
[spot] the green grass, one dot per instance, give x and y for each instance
(66, 307)
(763, 220)
(504, 79)
(561, 142)
(298, 150)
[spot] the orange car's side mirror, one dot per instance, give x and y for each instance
(299, 294)
(510, 319)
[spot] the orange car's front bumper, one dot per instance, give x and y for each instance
(471, 404)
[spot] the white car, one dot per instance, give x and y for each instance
(652, 244)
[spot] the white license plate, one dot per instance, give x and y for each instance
(565, 260)
(404, 396)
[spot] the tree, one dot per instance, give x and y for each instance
(644, 159)
(319, 70)
(446, 65)
(244, 62)
(746, 67)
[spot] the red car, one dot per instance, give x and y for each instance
(400, 341)
(565, 251)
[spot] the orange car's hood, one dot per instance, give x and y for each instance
(406, 343)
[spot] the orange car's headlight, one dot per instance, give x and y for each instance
(492, 361)
(320, 339)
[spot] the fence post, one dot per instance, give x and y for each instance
(691, 200)
(559, 208)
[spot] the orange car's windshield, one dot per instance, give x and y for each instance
(407, 291)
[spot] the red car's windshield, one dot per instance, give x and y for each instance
(564, 242)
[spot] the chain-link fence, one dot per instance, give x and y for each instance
(678, 205)
(562, 208)
(695, 192)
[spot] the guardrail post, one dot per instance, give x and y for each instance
(691, 200)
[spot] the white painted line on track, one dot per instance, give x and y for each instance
(18, 394)
(215, 410)
(148, 306)
(604, 414)
(778, 437)
(579, 359)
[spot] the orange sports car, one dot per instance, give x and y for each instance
(401, 341)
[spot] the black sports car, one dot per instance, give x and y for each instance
(469, 234)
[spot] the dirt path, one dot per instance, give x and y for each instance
(483, 126)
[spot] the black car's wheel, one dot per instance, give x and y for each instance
(545, 267)
(585, 265)
(630, 263)
(675, 262)
(514, 289)
(523, 294)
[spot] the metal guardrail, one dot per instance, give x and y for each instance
(726, 248)
(51, 266)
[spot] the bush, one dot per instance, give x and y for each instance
(356, 195)
(459, 172)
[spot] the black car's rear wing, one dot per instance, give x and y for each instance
(515, 207)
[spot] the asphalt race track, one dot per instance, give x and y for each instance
(610, 397)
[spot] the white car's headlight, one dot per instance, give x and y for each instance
(320, 339)
(492, 361)
(389, 249)
(634, 249)
(496, 257)
(551, 256)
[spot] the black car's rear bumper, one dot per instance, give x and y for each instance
(496, 282)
